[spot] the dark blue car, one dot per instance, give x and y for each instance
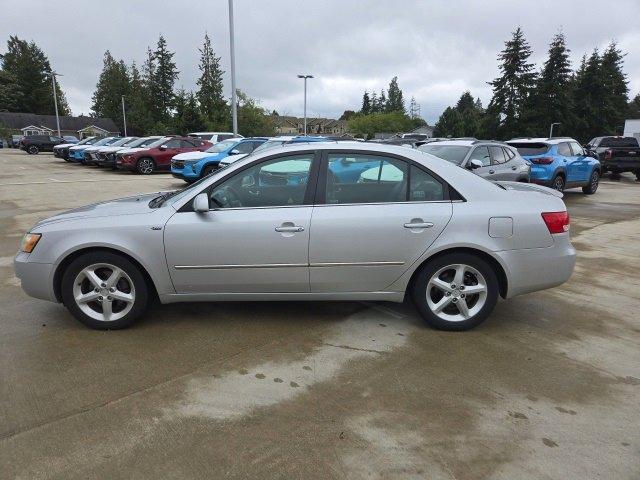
(559, 163)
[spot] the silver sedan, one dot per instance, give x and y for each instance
(311, 221)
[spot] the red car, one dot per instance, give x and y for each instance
(157, 156)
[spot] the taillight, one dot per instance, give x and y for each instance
(557, 222)
(608, 154)
(542, 160)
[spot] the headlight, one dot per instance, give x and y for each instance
(29, 242)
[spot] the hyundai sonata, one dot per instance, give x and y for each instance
(314, 221)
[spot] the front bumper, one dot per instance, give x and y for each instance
(36, 278)
(533, 269)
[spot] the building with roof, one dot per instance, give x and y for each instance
(288, 125)
(33, 124)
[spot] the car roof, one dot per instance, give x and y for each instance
(210, 133)
(550, 141)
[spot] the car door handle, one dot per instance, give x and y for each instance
(418, 225)
(294, 228)
(492, 171)
(514, 168)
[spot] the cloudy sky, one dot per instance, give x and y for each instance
(437, 49)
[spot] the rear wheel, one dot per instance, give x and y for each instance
(145, 166)
(104, 290)
(32, 150)
(456, 291)
(558, 183)
(594, 181)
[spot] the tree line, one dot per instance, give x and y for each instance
(590, 101)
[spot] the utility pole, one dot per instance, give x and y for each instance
(305, 77)
(55, 96)
(551, 129)
(124, 117)
(234, 100)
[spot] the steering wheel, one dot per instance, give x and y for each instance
(226, 197)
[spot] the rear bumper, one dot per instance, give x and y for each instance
(36, 278)
(533, 269)
(621, 165)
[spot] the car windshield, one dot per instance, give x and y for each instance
(158, 142)
(221, 146)
(85, 141)
(121, 141)
(452, 153)
(528, 148)
(269, 144)
(104, 141)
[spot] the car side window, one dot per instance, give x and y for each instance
(54, 139)
(223, 136)
(245, 147)
(360, 178)
(508, 153)
(172, 144)
(423, 187)
(187, 144)
(497, 155)
(577, 149)
(564, 150)
(482, 154)
(277, 182)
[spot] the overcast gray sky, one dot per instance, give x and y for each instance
(437, 49)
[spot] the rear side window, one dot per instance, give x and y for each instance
(527, 149)
(510, 155)
(497, 155)
(356, 178)
(423, 187)
(563, 149)
(619, 142)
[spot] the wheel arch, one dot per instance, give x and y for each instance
(497, 267)
(71, 256)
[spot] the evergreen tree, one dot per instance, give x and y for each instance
(382, 102)
(589, 98)
(395, 102)
(113, 83)
(553, 97)
(11, 95)
(511, 90)
(615, 90)
(374, 103)
(139, 117)
(366, 104)
(210, 88)
(24, 79)
(633, 110)
(449, 124)
(187, 116)
(162, 81)
(465, 103)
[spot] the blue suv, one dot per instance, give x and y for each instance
(192, 167)
(559, 163)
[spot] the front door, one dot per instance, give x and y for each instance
(254, 239)
(580, 166)
(368, 229)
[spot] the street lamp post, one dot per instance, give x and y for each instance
(234, 100)
(53, 75)
(305, 77)
(124, 117)
(551, 129)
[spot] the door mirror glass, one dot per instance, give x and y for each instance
(474, 163)
(201, 203)
(162, 147)
(235, 151)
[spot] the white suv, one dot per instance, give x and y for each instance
(214, 137)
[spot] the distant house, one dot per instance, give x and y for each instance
(32, 124)
(287, 125)
(422, 130)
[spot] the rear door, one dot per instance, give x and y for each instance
(368, 228)
(499, 167)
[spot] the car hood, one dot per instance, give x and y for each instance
(111, 208)
(78, 147)
(133, 150)
(111, 149)
(92, 149)
(530, 187)
(64, 145)
(193, 156)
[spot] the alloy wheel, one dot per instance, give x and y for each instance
(145, 166)
(104, 292)
(594, 181)
(456, 292)
(558, 184)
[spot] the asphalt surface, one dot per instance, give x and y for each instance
(547, 388)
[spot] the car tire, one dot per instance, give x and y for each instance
(440, 300)
(90, 276)
(594, 181)
(638, 176)
(558, 183)
(145, 166)
(208, 170)
(32, 150)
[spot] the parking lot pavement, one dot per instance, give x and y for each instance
(548, 387)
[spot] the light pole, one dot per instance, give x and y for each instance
(305, 77)
(124, 117)
(551, 129)
(53, 75)
(234, 100)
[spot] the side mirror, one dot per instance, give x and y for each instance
(162, 147)
(235, 151)
(201, 203)
(474, 163)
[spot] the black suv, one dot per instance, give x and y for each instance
(33, 144)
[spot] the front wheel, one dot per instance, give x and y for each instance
(32, 150)
(592, 186)
(145, 166)
(104, 290)
(455, 292)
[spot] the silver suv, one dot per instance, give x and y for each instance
(489, 159)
